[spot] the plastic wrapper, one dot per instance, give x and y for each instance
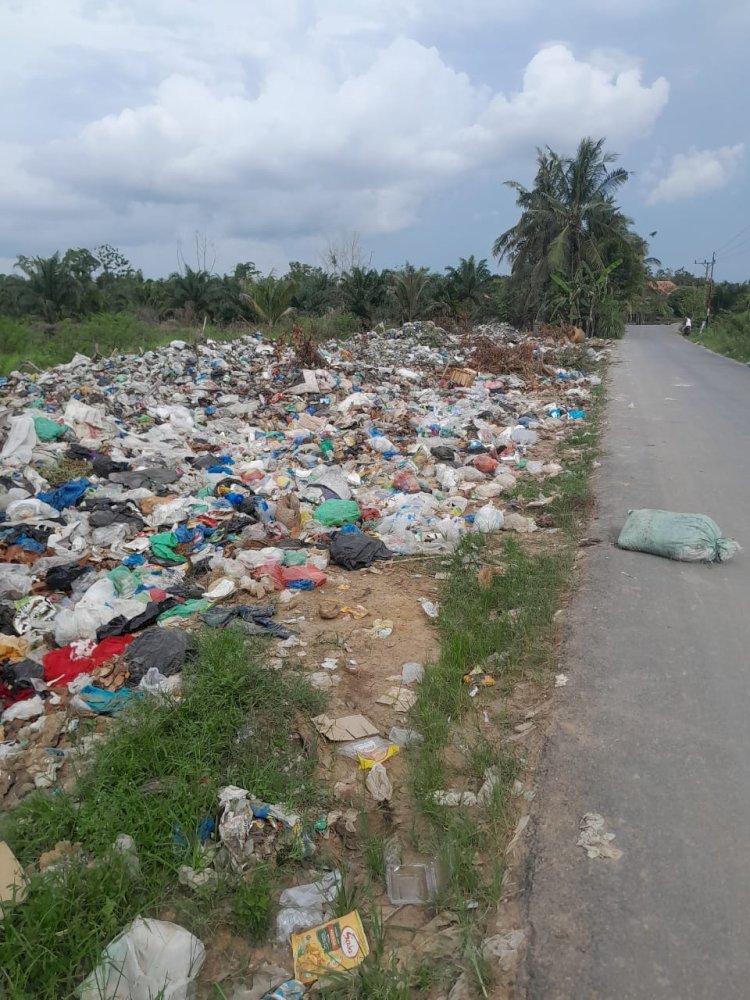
(150, 958)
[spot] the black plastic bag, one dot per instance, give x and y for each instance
(355, 550)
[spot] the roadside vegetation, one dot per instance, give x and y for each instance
(728, 334)
(573, 258)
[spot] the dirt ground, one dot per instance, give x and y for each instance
(367, 667)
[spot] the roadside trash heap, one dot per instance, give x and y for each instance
(145, 496)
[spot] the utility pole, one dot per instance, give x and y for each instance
(709, 266)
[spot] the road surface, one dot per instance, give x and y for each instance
(653, 728)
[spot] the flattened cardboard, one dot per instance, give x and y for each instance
(346, 727)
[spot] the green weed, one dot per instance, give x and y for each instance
(156, 778)
(63, 470)
(251, 905)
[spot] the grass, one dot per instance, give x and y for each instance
(728, 334)
(24, 341)
(192, 748)
(63, 470)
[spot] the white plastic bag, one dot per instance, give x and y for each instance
(29, 509)
(20, 442)
(150, 958)
(488, 519)
(15, 581)
(379, 784)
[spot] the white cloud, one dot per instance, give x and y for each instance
(697, 172)
(288, 124)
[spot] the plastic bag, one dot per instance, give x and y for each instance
(406, 482)
(488, 519)
(357, 550)
(48, 430)
(292, 577)
(150, 958)
(313, 893)
(687, 537)
(485, 464)
(20, 442)
(337, 512)
(292, 921)
(15, 581)
(379, 784)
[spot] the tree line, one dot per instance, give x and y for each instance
(573, 257)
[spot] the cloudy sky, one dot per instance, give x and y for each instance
(279, 127)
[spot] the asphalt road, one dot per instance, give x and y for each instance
(653, 727)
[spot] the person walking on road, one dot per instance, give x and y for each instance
(687, 326)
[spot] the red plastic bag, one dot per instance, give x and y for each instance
(485, 464)
(283, 576)
(406, 482)
(61, 667)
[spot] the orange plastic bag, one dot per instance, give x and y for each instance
(485, 464)
(406, 482)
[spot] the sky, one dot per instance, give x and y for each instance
(278, 129)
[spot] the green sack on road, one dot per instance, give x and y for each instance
(334, 513)
(687, 537)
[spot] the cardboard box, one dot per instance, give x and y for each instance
(335, 946)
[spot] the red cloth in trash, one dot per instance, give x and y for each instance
(62, 668)
(8, 697)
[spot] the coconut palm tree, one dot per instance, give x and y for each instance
(569, 218)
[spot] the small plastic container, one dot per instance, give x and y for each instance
(411, 884)
(414, 883)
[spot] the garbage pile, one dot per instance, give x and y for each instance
(142, 497)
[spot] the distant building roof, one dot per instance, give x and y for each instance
(663, 287)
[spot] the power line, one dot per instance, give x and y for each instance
(729, 242)
(739, 249)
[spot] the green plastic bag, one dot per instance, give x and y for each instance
(49, 430)
(124, 582)
(185, 610)
(334, 513)
(163, 546)
(687, 537)
(295, 557)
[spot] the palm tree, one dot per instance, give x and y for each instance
(269, 298)
(410, 286)
(466, 287)
(569, 218)
(363, 292)
(195, 292)
(51, 289)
